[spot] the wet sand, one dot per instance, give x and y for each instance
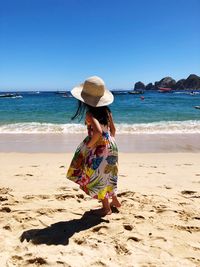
(137, 143)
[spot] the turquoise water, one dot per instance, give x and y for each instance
(50, 112)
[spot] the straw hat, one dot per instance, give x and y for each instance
(93, 92)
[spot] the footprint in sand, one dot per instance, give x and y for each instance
(158, 238)
(80, 241)
(80, 195)
(186, 214)
(37, 261)
(98, 263)
(7, 227)
(3, 198)
(167, 187)
(28, 197)
(139, 217)
(194, 260)
(99, 228)
(5, 209)
(62, 263)
(27, 174)
(23, 218)
(64, 196)
(7, 200)
(128, 227)
(77, 196)
(160, 208)
(188, 192)
(190, 229)
(15, 260)
(5, 190)
(46, 211)
(196, 218)
(121, 249)
(126, 194)
(134, 238)
(36, 197)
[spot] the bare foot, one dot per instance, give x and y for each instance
(115, 202)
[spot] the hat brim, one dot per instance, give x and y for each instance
(104, 100)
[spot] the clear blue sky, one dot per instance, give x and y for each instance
(55, 44)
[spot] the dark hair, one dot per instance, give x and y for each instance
(80, 111)
(99, 113)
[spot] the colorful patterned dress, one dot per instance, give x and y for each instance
(96, 169)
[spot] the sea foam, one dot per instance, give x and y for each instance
(191, 126)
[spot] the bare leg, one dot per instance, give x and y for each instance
(106, 206)
(115, 202)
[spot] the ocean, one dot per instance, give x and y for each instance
(50, 112)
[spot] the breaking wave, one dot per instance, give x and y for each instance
(191, 126)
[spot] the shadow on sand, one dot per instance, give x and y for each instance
(60, 232)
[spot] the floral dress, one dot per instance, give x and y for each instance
(96, 169)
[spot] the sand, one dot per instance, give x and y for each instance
(129, 143)
(46, 220)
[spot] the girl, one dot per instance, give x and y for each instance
(94, 165)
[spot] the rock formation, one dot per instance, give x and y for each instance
(192, 82)
(179, 85)
(150, 86)
(166, 82)
(139, 86)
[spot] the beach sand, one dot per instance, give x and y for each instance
(46, 221)
(62, 143)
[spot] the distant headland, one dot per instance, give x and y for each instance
(191, 82)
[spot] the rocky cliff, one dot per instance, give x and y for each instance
(166, 82)
(139, 85)
(192, 82)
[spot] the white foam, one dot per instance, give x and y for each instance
(35, 127)
(162, 127)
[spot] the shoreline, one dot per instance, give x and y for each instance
(128, 143)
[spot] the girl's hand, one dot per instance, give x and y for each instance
(112, 125)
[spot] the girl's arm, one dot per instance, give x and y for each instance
(96, 128)
(112, 125)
